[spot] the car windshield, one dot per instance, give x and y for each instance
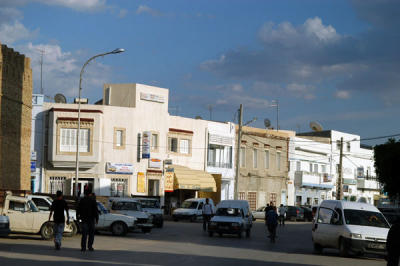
(189, 204)
(101, 208)
(229, 212)
(33, 206)
(153, 204)
(365, 218)
(126, 206)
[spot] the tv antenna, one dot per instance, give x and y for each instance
(267, 123)
(60, 98)
(315, 126)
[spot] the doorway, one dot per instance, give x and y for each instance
(83, 184)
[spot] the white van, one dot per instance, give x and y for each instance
(191, 209)
(232, 217)
(350, 227)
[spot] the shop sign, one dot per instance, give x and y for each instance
(33, 166)
(119, 168)
(169, 181)
(155, 163)
(168, 161)
(360, 172)
(146, 144)
(151, 97)
(141, 182)
(33, 156)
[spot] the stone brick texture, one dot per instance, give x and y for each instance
(15, 119)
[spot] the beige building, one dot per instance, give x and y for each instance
(264, 166)
(15, 118)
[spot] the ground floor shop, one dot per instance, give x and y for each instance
(311, 196)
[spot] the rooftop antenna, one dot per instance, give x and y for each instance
(315, 126)
(60, 98)
(267, 123)
(210, 109)
(42, 52)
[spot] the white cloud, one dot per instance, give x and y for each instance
(80, 5)
(10, 33)
(342, 94)
(143, 9)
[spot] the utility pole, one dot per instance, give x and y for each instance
(339, 188)
(238, 153)
(42, 52)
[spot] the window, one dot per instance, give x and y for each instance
(252, 199)
(68, 139)
(298, 166)
(298, 200)
(173, 144)
(255, 161)
(242, 195)
(119, 187)
(242, 157)
(272, 198)
(57, 183)
(348, 146)
(368, 171)
(184, 146)
(338, 145)
(42, 204)
(119, 138)
(315, 168)
(278, 161)
(16, 206)
(323, 168)
(310, 168)
(266, 162)
(324, 216)
(337, 168)
(154, 141)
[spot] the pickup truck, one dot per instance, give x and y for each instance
(25, 217)
(118, 224)
(43, 203)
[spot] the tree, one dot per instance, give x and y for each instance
(387, 166)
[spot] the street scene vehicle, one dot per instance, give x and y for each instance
(294, 213)
(43, 203)
(308, 215)
(117, 224)
(350, 227)
(191, 209)
(25, 217)
(232, 217)
(132, 207)
(259, 213)
(4, 225)
(152, 206)
(390, 209)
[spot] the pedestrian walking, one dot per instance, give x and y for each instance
(58, 207)
(89, 216)
(207, 214)
(282, 214)
(393, 245)
(272, 222)
(267, 209)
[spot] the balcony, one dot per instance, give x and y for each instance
(219, 164)
(367, 184)
(314, 180)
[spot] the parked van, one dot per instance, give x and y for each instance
(232, 217)
(350, 227)
(191, 209)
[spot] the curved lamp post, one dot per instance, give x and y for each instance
(116, 51)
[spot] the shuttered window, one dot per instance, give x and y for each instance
(68, 140)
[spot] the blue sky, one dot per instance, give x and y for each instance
(335, 62)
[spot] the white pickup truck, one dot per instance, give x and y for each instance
(117, 224)
(25, 217)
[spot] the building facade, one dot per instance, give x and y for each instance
(37, 141)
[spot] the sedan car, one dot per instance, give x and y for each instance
(308, 214)
(294, 213)
(259, 213)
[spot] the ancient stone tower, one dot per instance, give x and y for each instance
(15, 119)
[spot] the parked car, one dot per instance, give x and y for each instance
(132, 207)
(350, 227)
(4, 225)
(43, 203)
(259, 213)
(152, 206)
(231, 217)
(117, 224)
(191, 209)
(25, 217)
(294, 213)
(308, 214)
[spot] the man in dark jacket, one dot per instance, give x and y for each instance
(58, 207)
(393, 244)
(88, 214)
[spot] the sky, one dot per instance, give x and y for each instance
(333, 61)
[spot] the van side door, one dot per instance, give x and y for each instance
(322, 226)
(21, 220)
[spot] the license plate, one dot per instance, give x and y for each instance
(376, 245)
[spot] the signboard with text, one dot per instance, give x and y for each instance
(146, 144)
(119, 168)
(155, 163)
(141, 182)
(169, 182)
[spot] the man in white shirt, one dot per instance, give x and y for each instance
(207, 214)
(282, 212)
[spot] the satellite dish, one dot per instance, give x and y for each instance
(315, 126)
(267, 123)
(59, 98)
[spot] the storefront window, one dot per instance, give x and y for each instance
(119, 187)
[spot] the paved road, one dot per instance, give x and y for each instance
(178, 244)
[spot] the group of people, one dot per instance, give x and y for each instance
(87, 214)
(272, 216)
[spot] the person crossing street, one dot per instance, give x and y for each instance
(58, 207)
(207, 214)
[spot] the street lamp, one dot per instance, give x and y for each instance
(116, 51)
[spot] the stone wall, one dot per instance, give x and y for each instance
(15, 119)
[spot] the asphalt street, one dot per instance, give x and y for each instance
(179, 243)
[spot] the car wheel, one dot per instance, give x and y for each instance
(119, 229)
(73, 228)
(317, 248)
(47, 231)
(342, 248)
(210, 233)
(248, 233)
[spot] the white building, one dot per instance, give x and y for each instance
(37, 140)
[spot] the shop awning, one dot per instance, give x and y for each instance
(186, 178)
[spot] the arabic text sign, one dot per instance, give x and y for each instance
(169, 182)
(141, 182)
(119, 168)
(146, 145)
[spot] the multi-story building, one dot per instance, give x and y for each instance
(37, 140)
(264, 166)
(359, 179)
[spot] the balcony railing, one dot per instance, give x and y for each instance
(219, 164)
